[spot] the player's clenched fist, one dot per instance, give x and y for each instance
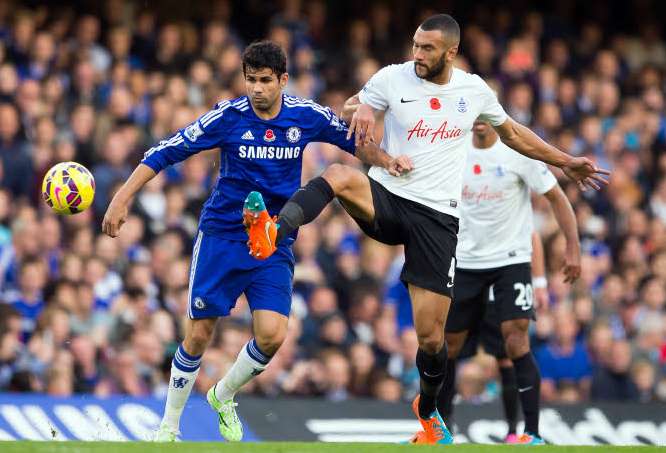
(362, 124)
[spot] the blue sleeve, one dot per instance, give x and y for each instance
(207, 132)
(333, 130)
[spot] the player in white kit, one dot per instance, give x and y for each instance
(494, 251)
(411, 195)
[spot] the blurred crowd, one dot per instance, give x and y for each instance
(100, 82)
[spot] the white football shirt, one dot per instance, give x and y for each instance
(496, 211)
(429, 123)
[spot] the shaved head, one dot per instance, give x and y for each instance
(446, 24)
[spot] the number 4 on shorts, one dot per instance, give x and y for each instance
(452, 273)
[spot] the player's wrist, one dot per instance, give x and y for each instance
(539, 282)
(565, 160)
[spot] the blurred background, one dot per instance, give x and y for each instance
(100, 82)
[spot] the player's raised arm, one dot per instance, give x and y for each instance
(523, 140)
(204, 133)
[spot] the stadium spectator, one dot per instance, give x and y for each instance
(564, 363)
(81, 313)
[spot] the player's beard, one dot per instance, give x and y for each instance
(433, 72)
(263, 104)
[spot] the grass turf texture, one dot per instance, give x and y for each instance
(292, 447)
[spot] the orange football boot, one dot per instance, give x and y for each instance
(434, 426)
(260, 227)
(420, 438)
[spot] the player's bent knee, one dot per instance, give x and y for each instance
(339, 177)
(516, 339)
(431, 343)
(197, 339)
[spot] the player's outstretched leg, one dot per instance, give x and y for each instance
(304, 206)
(184, 372)
(528, 378)
(348, 184)
(509, 398)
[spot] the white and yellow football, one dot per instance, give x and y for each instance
(68, 188)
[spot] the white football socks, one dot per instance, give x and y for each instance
(249, 363)
(184, 371)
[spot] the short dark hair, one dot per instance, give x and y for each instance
(265, 54)
(444, 23)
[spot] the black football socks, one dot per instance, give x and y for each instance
(431, 370)
(448, 391)
(304, 206)
(510, 397)
(528, 382)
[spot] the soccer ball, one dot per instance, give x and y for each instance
(68, 188)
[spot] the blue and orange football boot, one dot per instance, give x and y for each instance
(260, 227)
(436, 432)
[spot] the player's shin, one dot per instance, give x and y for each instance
(528, 380)
(251, 361)
(448, 391)
(304, 206)
(184, 371)
(509, 397)
(431, 370)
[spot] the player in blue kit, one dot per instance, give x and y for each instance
(262, 137)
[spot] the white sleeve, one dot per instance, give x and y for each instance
(537, 176)
(491, 109)
(376, 91)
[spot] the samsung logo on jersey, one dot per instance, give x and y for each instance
(269, 152)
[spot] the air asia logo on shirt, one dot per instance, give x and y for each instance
(269, 136)
(472, 196)
(293, 134)
(421, 130)
(434, 104)
(476, 169)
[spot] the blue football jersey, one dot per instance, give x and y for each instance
(256, 154)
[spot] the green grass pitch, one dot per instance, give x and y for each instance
(290, 447)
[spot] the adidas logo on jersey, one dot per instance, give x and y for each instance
(247, 135)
